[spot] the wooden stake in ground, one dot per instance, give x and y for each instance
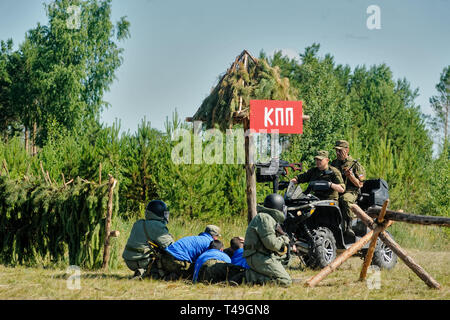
(418, 270)
(106, 251)
(343, 257)
(373, 243)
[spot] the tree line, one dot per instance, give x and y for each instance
(51, 99)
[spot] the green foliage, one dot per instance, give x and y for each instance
(60, 73)
(441, 105)
(41, 222)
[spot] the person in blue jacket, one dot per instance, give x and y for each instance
(211, 266)
(237, 258)
(238, 265)
(179, 258)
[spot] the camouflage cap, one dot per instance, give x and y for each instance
(341, 144)
(213, 230)
(321, 154)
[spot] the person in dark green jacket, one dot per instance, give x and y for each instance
(148, 237)
(263, 249)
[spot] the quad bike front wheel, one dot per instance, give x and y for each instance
(323, 250)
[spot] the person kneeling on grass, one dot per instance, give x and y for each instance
(148, 236)
(263, 248)
(211, 266)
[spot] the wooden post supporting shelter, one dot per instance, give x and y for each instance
(106, 251)
(418, 270)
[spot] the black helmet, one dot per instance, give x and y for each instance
(158, 207)
(274, 201)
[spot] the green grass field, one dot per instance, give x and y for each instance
(428, 246)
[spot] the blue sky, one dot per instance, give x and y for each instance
(178, 48)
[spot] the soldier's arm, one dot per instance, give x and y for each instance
(163, 238)
(268, 237)
(357, 175)
(337, 183)
(304, 177)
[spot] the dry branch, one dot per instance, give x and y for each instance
(418, 270)
(344, 256)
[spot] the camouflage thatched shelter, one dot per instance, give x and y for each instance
(247, 79)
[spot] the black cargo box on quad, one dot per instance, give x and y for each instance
(373, 193)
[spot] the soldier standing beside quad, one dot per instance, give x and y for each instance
(323, 172)
(354, 177)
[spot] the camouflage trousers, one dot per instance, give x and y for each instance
(214, 271)
(345, 201)
(266, 269)
(138, 265)
(175, 269)
(146, 267)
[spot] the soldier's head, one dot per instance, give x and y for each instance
(216, 244)
(342, 149)
(213, 230)
(322, 159)
(274, 201)
(158, 208)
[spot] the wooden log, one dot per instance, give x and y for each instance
(106, 251)
(340, 259)
(410, 217)
(402, 254)
(373, 243)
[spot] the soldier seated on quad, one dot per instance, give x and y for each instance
(263, 249)
(178, 259)
(323, 172)
(354, 174)
(140, 252)
(211, 266)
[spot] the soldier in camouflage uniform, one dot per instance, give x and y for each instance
(263, 249)
(353, 180)
(323, 172)
(138, 253)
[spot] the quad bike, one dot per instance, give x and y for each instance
(316, 227)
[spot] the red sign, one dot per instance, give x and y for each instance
(284, 116)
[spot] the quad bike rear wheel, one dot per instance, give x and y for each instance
(383, 256)
(323, 250)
